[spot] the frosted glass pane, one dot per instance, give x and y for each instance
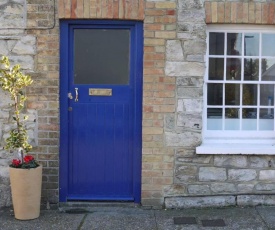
(266, 124)
(232, 124)
(232, 121)
(214, 124)
(249, 124)
(266, 121)
(101, 56)
(214, 118)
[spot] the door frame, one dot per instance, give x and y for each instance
(64, 89)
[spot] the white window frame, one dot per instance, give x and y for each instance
(235, 142)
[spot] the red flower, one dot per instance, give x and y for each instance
(16, 163)
(28, 159)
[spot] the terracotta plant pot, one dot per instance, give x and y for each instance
(26, 192)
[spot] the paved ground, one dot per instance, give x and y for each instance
(134, 218)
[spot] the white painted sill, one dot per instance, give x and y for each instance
(236, 148)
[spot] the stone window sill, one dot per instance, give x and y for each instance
(236, 148)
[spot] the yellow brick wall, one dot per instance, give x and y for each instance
(101, 9)
(158, 100)
(240, 12)
(158, 90)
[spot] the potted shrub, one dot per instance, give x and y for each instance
(25, 172)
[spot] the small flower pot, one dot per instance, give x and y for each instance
(26, 192)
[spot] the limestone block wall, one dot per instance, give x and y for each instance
(224, 178)
(185, 63)
(21, 49)
(13, 14)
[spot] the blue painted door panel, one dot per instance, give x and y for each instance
(101, 150)
(100, 135)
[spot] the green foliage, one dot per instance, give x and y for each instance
(14, 81)
(29, 165)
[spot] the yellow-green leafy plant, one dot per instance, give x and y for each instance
(14, 82)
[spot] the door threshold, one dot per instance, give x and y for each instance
(88, 206)
(98, 204)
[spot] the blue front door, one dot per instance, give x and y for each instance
(100, 92)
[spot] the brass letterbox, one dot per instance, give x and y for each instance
(100, 92)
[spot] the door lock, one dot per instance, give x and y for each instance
(70, 96)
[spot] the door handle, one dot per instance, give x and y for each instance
(76, 95)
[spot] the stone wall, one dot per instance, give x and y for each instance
(13, 14)
(22, 47)
(209, 180)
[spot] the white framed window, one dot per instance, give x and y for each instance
(239, 90)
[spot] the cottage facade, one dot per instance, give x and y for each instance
(189, 123)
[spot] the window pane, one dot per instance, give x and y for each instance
(101, 56)
(249, 119)
(232, 94)
(216, 43)
(268, 41)
(267, 95)
(251, 44)
(249, 94)
(214, 119)
(234, 44)
(233, 69)
(267, 113)
(266, 119)
(214, 94)
(232, 113)
(249, 113)
(251, 69)
(214, 112)
(250, 123)
(268, 69)
(216, 68)
(232, 121)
